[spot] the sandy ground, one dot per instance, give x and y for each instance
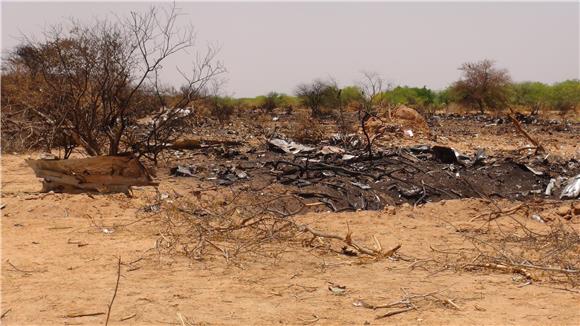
(60, 254)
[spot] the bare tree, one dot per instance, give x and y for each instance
(99, 82)
(372, 88)
(482, 85)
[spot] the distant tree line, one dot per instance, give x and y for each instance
(482, 87)
(483, 94)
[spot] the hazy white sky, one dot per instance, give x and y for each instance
(275, 46)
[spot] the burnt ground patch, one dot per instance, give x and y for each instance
(350, 180)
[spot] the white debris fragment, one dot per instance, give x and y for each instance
(289, 147)
(550, 187)
(538, 218)
(572, 189)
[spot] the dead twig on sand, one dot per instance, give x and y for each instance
(5, 313)
(507, 268)
(128, 317)
(496, 214)
(407, 303)
(394, 312)
(25, 272)
(114, 293)
(311, 321)
(90, 314)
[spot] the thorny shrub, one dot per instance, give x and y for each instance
(552, 255)
(239, 227)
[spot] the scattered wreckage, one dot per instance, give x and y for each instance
(348, 180)
(337, 173)
(102, 174)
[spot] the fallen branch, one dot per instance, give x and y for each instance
(407, 303)
(114, 293)
(506, 268)
(549, 269)
(539, 147)
(5, 313)
(394, 312)
(90, 314)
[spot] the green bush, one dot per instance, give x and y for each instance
(412, 96)
(534, 95)
(351, 94)
(443, 98)
(271, 101)
(222, 108)
(319, 96)
(565, 96)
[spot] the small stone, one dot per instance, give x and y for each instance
(563, 210)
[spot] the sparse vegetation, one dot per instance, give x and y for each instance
(92, 83)
(271, 101)
(222, 108)
(102, 110)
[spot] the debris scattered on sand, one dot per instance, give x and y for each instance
(289, 147)
(572, 189)
(337, 289)
(183, 171)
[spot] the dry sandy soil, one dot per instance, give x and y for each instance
(60, 257)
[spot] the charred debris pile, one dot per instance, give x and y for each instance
(348, 180)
